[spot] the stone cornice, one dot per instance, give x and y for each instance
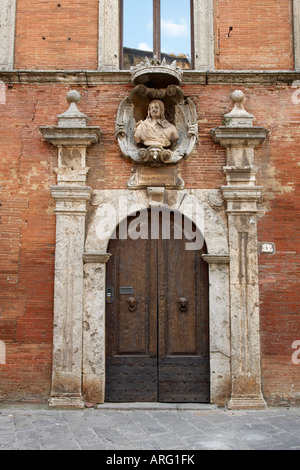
(239, 136)
(94, 77)
(80, 136)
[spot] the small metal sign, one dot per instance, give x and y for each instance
(126, 290)
(110, 294)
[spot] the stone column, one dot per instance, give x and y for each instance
(94, 326)
(219, 328)
(296, 35)
(240, 138)
(7, 33)
(72, 137)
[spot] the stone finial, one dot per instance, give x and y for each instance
(238, 116)
(72, 117)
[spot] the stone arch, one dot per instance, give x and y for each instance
(109, 208)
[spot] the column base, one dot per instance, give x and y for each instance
(247, 403)
(62, 401)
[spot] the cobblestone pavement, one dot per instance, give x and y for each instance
(33, 427)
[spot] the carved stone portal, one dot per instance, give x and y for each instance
(156, 127)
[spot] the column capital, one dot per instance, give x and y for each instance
(71, 200)
(241, 200)
(96, 258)
(71, 193)
(216, 259)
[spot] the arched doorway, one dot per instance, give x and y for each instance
(157, 332)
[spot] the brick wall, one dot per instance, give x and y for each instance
(57, 34)
(28, 220)
(261, 38)
(27, 244)
(64, 34)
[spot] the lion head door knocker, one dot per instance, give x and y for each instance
(132, 304)
(156, 124)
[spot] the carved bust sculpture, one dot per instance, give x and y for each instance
(154, 139)
(155, 130)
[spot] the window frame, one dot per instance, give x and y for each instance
(156, 31)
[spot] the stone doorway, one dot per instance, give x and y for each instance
(157, 332)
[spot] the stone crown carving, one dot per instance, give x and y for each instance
(156, 71)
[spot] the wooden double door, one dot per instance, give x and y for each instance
(156, 320)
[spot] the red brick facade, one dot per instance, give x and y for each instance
(56, 35)
(261, 39)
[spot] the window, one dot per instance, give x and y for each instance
(156, 27)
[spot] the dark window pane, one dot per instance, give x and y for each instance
(137, 31)
(176, 31)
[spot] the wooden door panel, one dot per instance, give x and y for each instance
(131, 379)
(183, 379)
(177, 282)
(131, 321)
(183, 365)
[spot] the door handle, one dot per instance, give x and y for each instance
(131, 302)
(183, 304)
